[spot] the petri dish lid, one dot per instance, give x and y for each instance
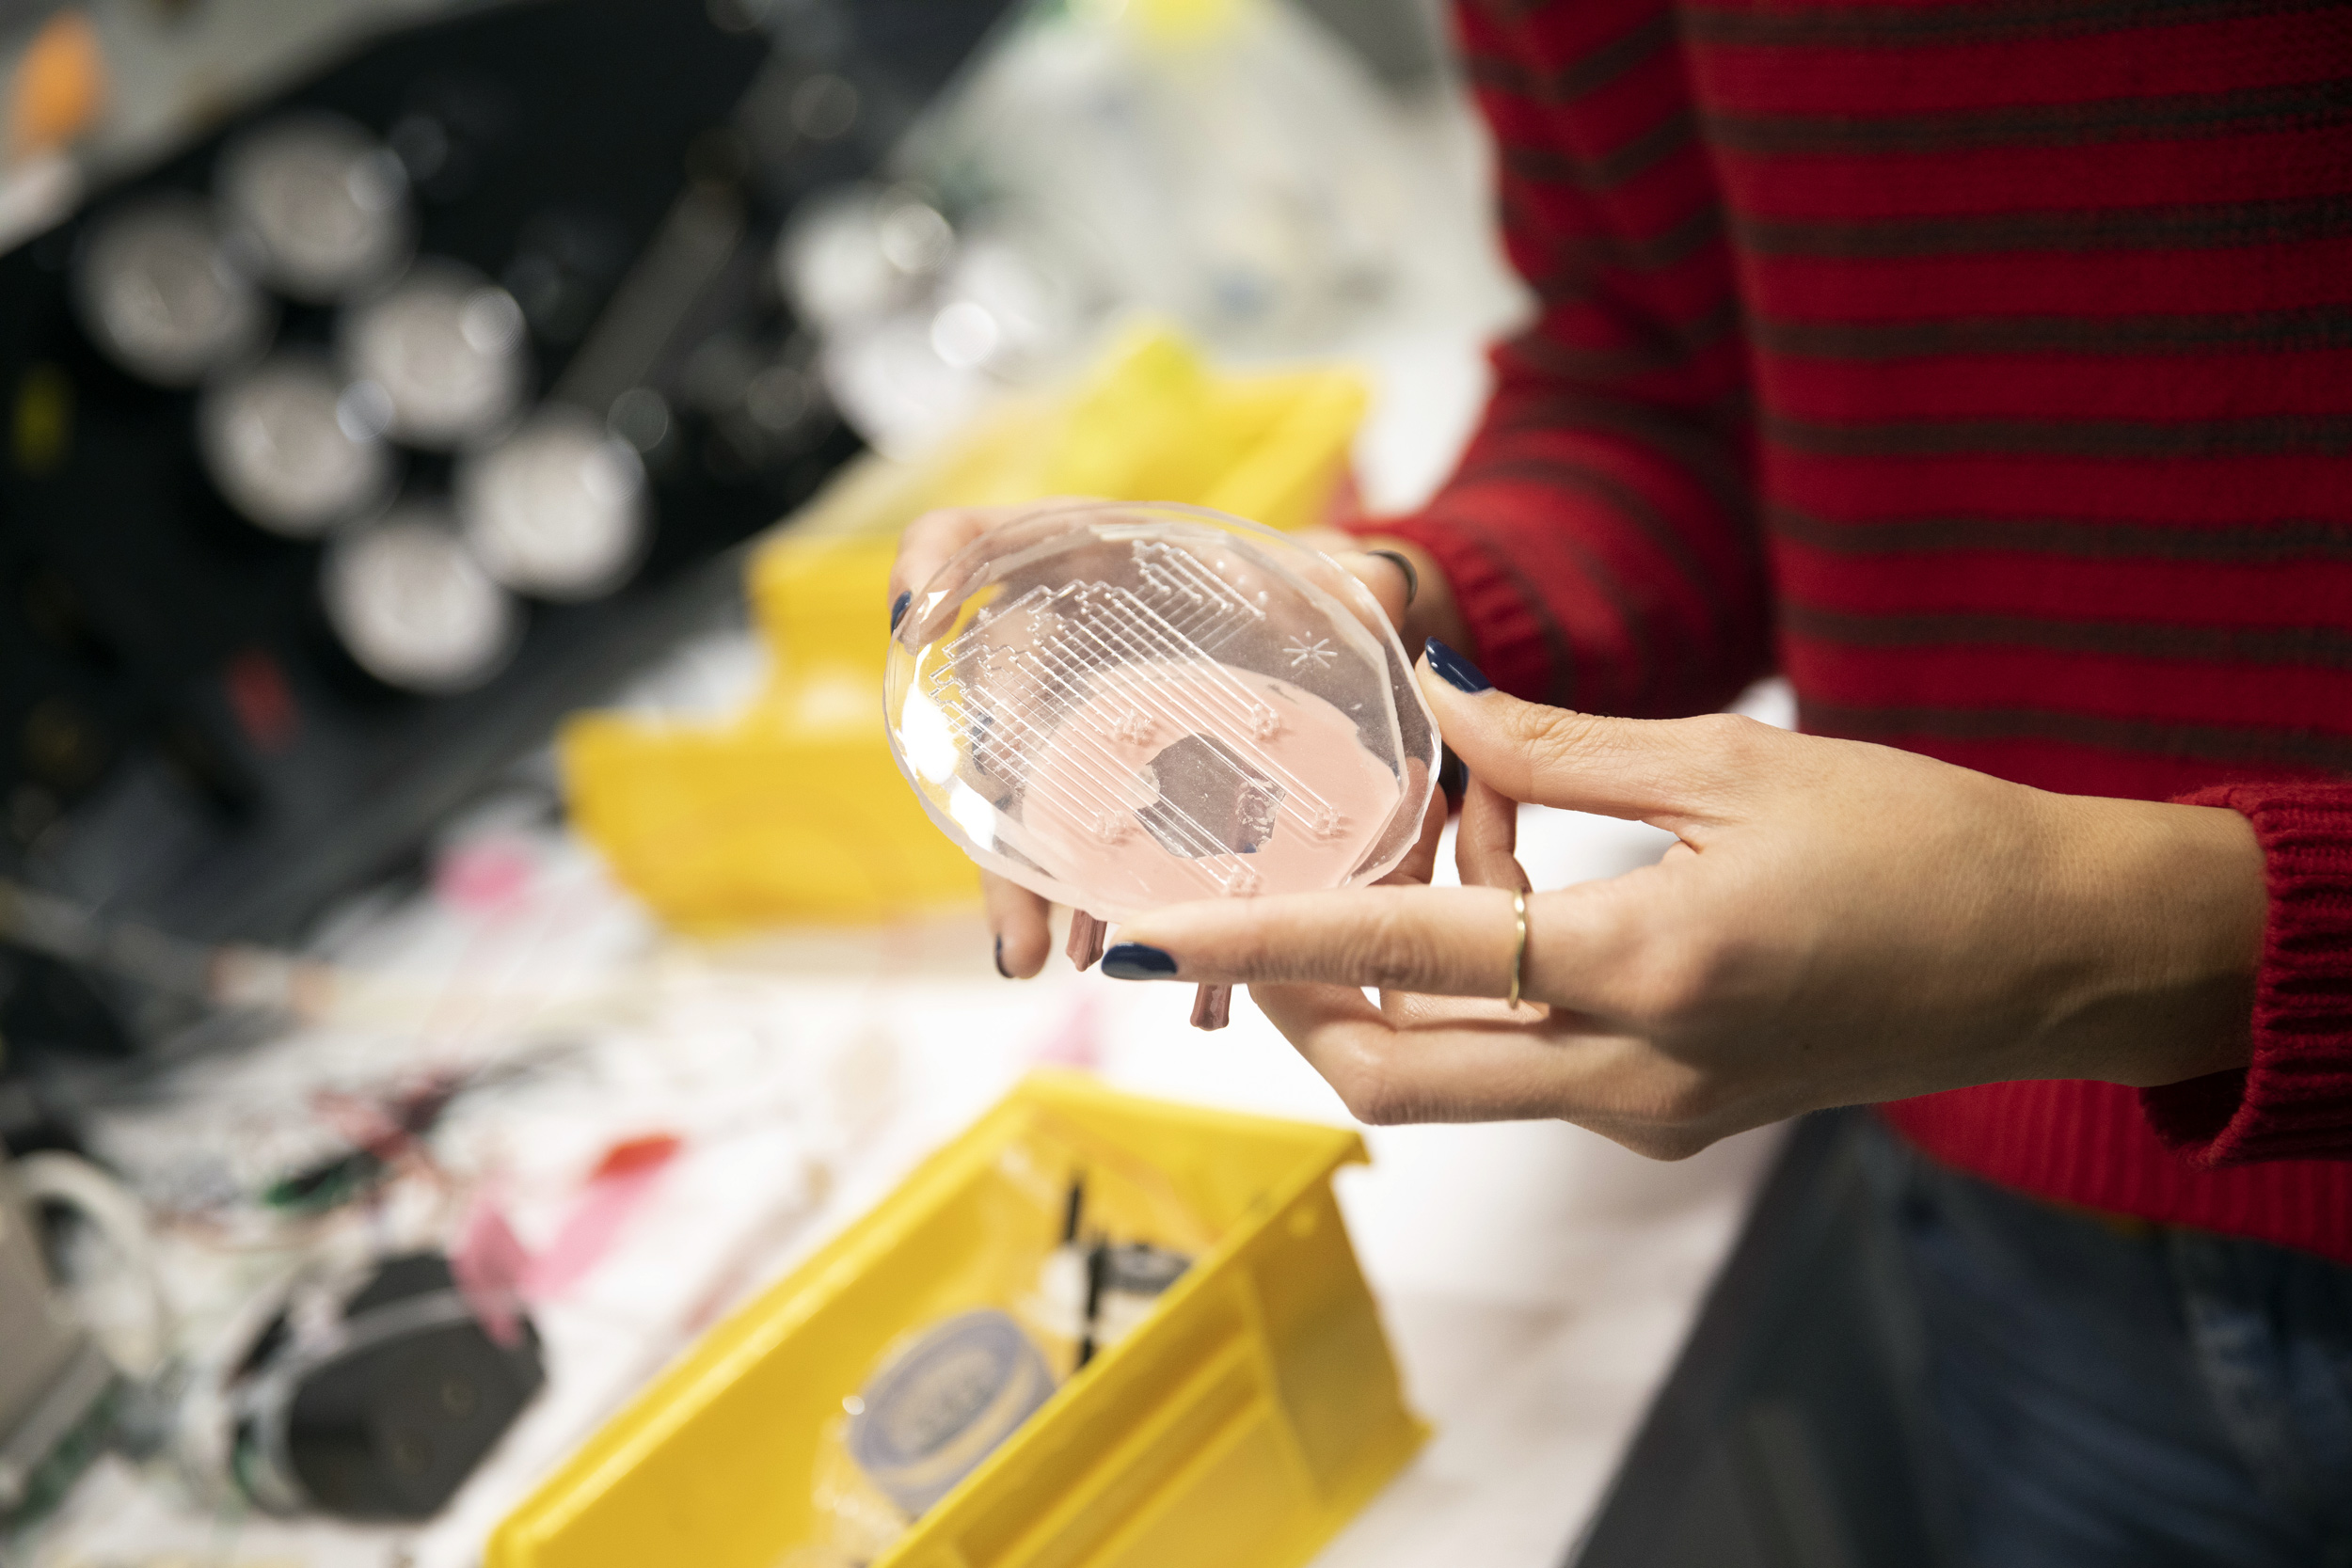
(944, 1403)
(1125, 705)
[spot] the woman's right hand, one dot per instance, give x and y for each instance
(1419, 604)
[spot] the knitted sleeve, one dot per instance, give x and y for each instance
(1600, 533)
(2294, 1099)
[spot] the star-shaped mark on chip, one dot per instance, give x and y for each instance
(1317, 651)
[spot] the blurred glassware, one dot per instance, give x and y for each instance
(855, 252)
(920, 322)
(1234, 164)
(559, 510)
(159, 292)
(1226, 164)
(322, 204)
(446, 347)
(294, 447)
(414, 608)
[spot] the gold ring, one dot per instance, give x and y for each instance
(1518, 944)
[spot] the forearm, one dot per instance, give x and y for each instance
(1590, 570)
(1597, 548)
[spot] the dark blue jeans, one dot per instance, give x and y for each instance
(2102, 1393)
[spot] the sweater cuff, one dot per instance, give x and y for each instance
(2294, 1101)
(1515, 643)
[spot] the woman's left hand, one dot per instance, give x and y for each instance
(1837, 923)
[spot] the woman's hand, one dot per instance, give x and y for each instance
(1016, 916)
(1839, 923)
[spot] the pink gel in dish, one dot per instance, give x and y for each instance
(1124, 706)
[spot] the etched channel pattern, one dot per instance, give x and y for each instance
(1005, 699)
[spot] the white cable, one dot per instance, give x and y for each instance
(76, 1184)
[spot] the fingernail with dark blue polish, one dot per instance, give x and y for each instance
(1000, 959)
(1132, 961)
(1458, 672)
(899, 610)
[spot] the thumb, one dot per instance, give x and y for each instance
(1661, 770)
(1389, 581)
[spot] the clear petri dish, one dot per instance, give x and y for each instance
(321, 205)
(291, 447)
(446, 347)
(1121, 706)
(160, 293)
(559, 510)
(944, 1402)
(414, 609)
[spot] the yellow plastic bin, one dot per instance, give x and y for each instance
(1249, 1416)
(737, 825)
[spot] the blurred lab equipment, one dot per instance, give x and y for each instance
(415, 608)
(1230, 165)
(360, 426)
(66, 1361)
(373, 1397)
(54, 1376)
(558, 510)
(944, 1402)
(162, 294)
(59, 87)
(1246, 1417)
(445, 348)
(794, 811)
(294, 448)
(321, 205)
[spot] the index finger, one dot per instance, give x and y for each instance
(933, 539)
(1440, 942)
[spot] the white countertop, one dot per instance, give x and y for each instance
(1535, 1279)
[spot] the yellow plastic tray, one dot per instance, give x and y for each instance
(794, 811)
(1253, 1412)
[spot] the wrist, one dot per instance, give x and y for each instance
(2175, 930)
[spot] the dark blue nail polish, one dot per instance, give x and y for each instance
(1457, 671)
(1133, 960)
(899, 610)
(1000, 959)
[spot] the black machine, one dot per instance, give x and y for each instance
(256, 635)
(379, 1406)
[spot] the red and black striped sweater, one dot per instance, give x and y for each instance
(1986, 366)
